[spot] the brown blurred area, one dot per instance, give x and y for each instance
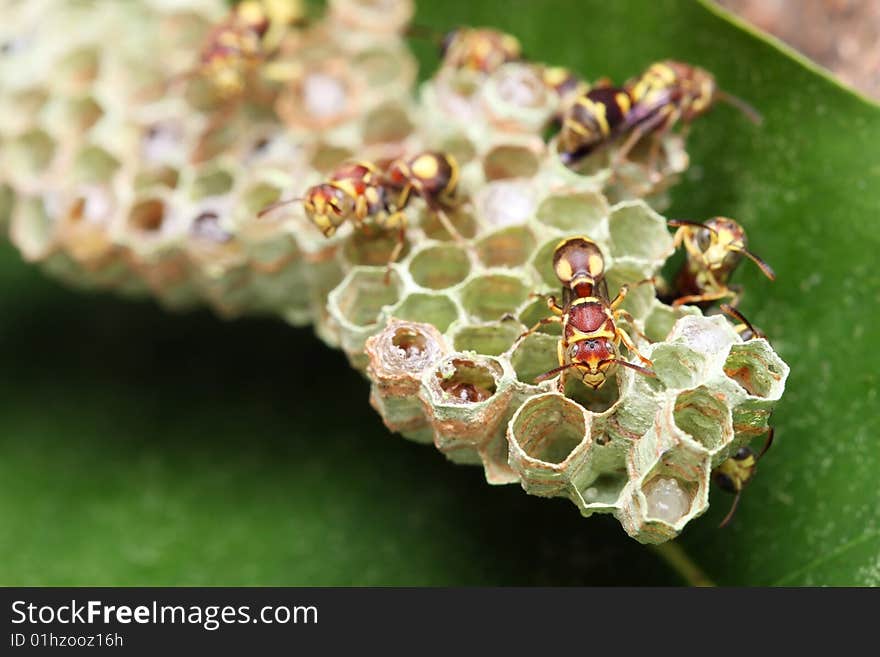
(841, 35)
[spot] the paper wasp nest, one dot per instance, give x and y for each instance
(111, 178)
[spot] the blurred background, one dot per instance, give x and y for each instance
(841, 35)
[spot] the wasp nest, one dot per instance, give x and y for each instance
(120, 169)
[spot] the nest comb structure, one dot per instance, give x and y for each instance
(112, 177)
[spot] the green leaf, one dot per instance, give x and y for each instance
(143, 448)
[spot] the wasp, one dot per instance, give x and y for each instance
(353, 192)
(430, 175)
(361, 191)
(478, 49)
(734, 474)
(670, 92)
(593, 120)
(591, 335)
(714, 248)
(235, 54)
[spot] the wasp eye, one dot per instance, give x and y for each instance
(742, 453)
(703, 239)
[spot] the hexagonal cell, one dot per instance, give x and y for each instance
(466, 398)
(32, 227)
(326, 157)
(581, 213)
(509, 247)
(605, 490)
(79, 68)
(148, 216)
(637, 231)
(533, 356)
(387, 123)
(94, 165)
(82, 113)
(162, 141)
(461, 219)
(320, 97)
(641, 296)
(674, 488)
(363, 294)
(435, 309)
(372, 246)
(706, 335)
(536, 311)
(509, 161)
(207, 226)
(704, 417)
(468, 381)
(381, 66)
(491, 338)
(211, 182)
(404, 348)
(506, 202)
(460, 147)
(596, 401)
(548, 428)
(163, 176)
(31, 152)
(661, 318)
(491, 296)
(668, 499)
(256, 197)
(676, 365)
(439, 267)
(216, 141)
(398, 355)
(757, 369)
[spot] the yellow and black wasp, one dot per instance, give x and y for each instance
(362, 191)
(591, 333)
(713, 249)
(735, 473)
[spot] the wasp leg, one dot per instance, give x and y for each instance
(631, 346)
(767, 443)
(700, 298)
(552, 303)
(537, 325)
(400, 223)
(624, 290)
(730, 513)
(636, 135)
(447, 222)
(632, 322)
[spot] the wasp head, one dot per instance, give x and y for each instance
(594, 359)
(734, 473)
(327, 207)
(479, 49)
(718, 245)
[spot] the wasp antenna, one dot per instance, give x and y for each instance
(274, 206)
(767, 269)
(737, 315)
(732, 510)
(678, 223)
(750, 112)
(424, 32)
(549, 374)
(767, 443)
(638, 368)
